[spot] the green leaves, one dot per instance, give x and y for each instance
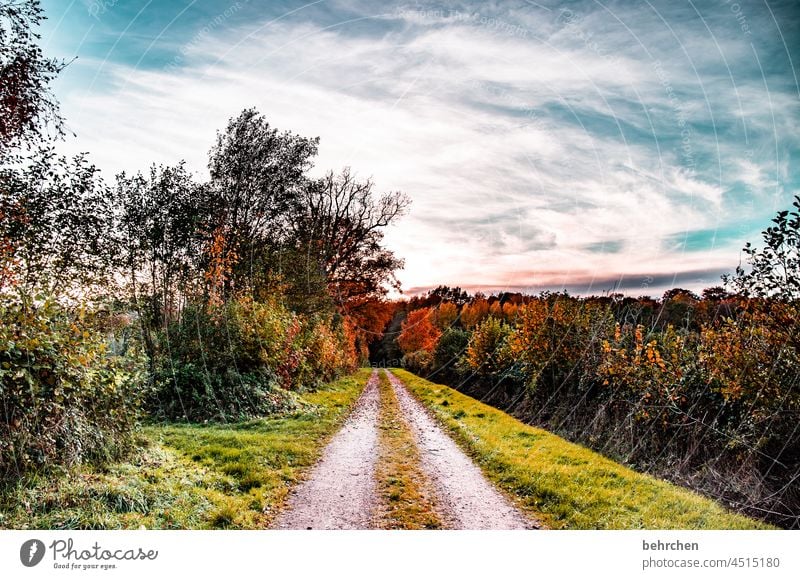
(64, 399)
(775, 268)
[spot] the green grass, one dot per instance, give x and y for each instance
(565, 485)
(189, 476)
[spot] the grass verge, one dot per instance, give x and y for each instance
(189, 476)
(405, 491)
(563, 484)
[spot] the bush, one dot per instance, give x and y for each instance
(449, 352)
(487, 353)
(241, 359)
(419, 362)
(66, 398)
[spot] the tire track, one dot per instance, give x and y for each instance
(340, 490)
(466, 499)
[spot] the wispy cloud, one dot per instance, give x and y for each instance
(541, 146)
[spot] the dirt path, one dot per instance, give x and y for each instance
(465, 497)
(340, 490)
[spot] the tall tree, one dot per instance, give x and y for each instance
(256, 173)
(163, 219)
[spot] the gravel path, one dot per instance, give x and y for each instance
(340, 490)
(466, 499)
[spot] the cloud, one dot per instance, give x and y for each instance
(538, 149)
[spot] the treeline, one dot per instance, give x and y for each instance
(163, 296)
(702, 390)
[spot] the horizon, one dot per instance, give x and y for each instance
(590, 148)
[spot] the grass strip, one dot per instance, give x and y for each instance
(566, 485)
(406, 492)
(189, 476)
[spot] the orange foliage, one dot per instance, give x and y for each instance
(221, 262)
(418, 332)
(474, 313)
(445, 315)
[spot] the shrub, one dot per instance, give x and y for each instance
(241, 359)
(450, 350)
(66, 398)
(487, 353)
(419, 362)
(556, 341)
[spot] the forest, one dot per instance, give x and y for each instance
(158, 297)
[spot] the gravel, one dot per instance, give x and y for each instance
(340, 490)
(466, 499)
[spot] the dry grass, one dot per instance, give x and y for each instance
(406, 493)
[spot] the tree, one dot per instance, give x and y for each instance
(418, 333)
(472, 314)
(445, 315)
(715, 294)
(60, 233)
(775, 268)
(257, 174)
(338, 221)
(445, 293)
(164, 224)
(681, 295)
(26, 104)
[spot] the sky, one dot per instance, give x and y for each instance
(589, 146)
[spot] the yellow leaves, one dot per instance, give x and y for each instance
(654, 356)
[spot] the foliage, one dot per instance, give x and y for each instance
(67, 398)
(473, 313)
(338, 221)
(418, 332)
(487, 352)
(61, 233)
(419, 361)
(450, 350)
(257, 173)
(753, 363)
(775, 268)
(711, 400)
(26, 103)
(556, 341)
(240, 359)
(445, 315)
(161, 224)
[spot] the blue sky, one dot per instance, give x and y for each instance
(582, 145)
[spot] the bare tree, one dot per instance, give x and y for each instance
(338, 221)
